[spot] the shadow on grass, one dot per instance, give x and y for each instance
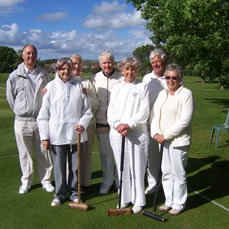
(210, 181)
(224, 102)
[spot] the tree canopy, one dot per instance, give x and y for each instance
(142, 54)
(9, 59)
(194, 32)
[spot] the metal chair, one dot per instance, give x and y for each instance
(218, 128)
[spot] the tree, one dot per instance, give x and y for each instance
(194, 32)
(9, 59)
(142, 54)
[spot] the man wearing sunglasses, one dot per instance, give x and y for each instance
(156, 82)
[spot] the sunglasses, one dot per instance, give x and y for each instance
(171, 77)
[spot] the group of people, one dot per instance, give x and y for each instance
(153, 113)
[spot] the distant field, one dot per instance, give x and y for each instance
(208, 179)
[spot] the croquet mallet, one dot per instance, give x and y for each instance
(79, 205)
(158, 184)
(119, 211)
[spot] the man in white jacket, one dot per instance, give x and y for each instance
(156, 82)
(23, 93)
(103, 83)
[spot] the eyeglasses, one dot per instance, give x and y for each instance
(171, 77)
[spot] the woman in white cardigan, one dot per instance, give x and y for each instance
(171, 126)
(128, 112)
(65, 112)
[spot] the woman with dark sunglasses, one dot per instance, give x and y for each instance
(171, 126)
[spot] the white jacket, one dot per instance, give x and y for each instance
(24, 102)
(64, 106)
(103, 86)
(180, 132)
(129, 104)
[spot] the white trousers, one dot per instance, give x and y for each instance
(174, 181)
(106, 158)
(136, 146)
(86, 157)
(154, 165)
(26, 133)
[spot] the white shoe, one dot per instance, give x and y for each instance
(76, 200)
(104, 190)
(24, 189)
(136, 209)
(150, 190)
(48, 187)
(175, 211)
(56, 202)
(123, 205)
(164, 208)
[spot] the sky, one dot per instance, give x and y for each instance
(61, 28)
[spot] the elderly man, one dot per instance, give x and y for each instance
(86, 156)
(103, 82)
(23, 92)
(156, 82)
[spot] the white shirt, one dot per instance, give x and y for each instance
(129, 104)
(155, 85)
(33, 77)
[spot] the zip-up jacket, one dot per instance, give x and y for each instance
(64, 107)
(20, 95)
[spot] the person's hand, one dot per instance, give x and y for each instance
(159, 138)
(79, 129)
(45, 144)
(85, 91)
(43, 91)
(124, 133)
(123, 129)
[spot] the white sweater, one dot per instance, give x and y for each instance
(129, 104)
(179, 133)
(64, 106)
(91, 94)
(103, 86)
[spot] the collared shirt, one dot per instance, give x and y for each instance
(33, 76)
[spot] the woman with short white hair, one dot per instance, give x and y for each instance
(171, 125)
(65, 112)
(128, 113)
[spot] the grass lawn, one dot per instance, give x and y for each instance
(208, 179)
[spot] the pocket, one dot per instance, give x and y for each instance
(20, 102)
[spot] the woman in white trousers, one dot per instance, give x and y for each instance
(171, 125)
(128, 113)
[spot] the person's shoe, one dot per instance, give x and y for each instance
(76, 200)
(104, 190)
(56, 202)
(24, 189)
(164, 208)
(136, 209)
(150, 190)
(123, 205)
(175, 211)
(48, 187)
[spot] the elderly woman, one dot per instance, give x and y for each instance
(64, 113)
(128, 113)
(171, 125)
(86, 156)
